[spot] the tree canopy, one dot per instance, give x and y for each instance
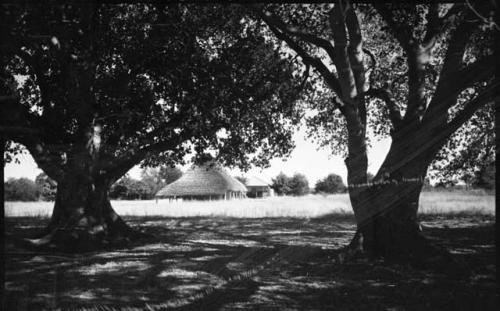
(158, 81)
(296, 185)
(91, 90)
(22, 189)
(415, 73)
(330, 184)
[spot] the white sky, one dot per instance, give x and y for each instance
(305, 159)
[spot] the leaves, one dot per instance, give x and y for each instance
(163, 80)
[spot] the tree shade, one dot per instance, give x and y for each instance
(91, 90)
(416, 73)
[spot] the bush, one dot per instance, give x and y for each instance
(280, 184)
(299, 185)
(295, 185)
(330, 184)
(22, 189)
(129, 189)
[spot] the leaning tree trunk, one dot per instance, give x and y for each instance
(83, 218)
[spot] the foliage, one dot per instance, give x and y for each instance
(469, 154)
(154, 83)
(130, 189)
(330, 184)
(389, 34)
(21, 189)
(486, 177)
(152, 180)
(285, 185)
(298, 184)
(47, 187)
(169, 174)
(280, 184)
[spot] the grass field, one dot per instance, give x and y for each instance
(306, 206)
(272, 254)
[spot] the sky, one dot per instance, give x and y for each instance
(305, 159)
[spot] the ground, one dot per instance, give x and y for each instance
(228, 263)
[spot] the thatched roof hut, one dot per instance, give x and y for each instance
(204, 183)
(257, 188)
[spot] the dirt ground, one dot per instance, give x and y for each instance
(249, 264)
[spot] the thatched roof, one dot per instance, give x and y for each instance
(255, 182)
(205, 180)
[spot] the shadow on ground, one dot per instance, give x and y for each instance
(248, 264)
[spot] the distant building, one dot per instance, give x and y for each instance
(209, 182)
(257, 188)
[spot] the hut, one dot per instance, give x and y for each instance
(257, 188)
(209, 182)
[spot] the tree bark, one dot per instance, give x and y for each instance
(391, 229)
(388, 227)
(83, 218)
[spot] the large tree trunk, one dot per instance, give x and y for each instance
(386, 209)
(390, 228)
(83, 218)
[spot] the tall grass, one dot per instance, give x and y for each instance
(306, 206)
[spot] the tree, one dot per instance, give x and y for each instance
(281, 184)
(396, 69)
(150, 177)
(127, 188)
(298, 185)
(485, 178)
(46, 186)
(119, 190)
(169, 174)
(21, 189)
(92, 90)
(470, 151)
(330, 184)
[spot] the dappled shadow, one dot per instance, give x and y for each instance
(227, 264)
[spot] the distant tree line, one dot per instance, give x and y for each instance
(296, 185)
(126, 188)
(153, 179)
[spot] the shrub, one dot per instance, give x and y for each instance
(295, 185)
(330, 184)
(280, 184)
(22, 189)
(299, 185)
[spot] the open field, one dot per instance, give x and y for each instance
(251, 264)
(273, 254)
(307, 206)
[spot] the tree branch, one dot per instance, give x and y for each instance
(370, 71)
(341, 60)
(434, 24)
(446, 95)
(487, 96)
(384, 94)
(316, 63)
(125, 163)
(295, 31)
(436, 140)
(356, 49)
(402, 33)
(455, 52)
